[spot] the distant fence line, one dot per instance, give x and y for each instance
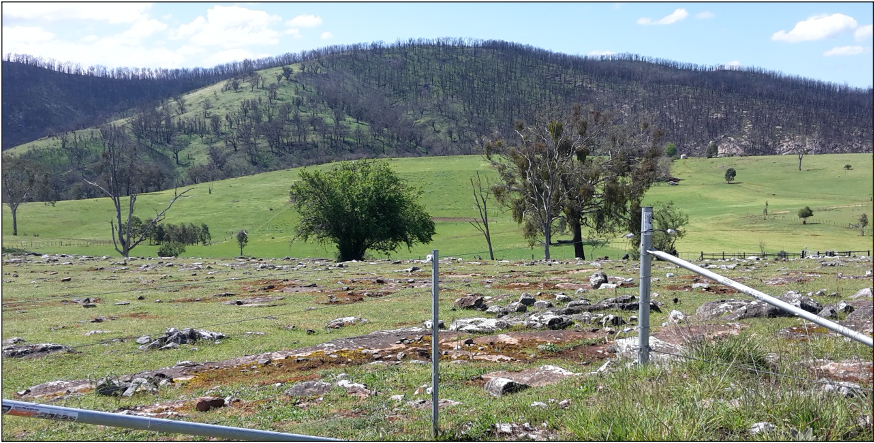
(811, 221)
(77, 242)
(727, 255)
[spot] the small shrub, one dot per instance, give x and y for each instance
(173, 249)
(782, 255)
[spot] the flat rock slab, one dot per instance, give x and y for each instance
(255, 301)
(34, 351)
(542, 376)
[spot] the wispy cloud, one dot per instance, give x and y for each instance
(230, 27)
(302, 21)
(817, 28)
(704, 15)
(844, 50)
(305, 21)
(863, 32)
(673, 17)
(326, 36)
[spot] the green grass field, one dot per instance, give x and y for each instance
(722, 216)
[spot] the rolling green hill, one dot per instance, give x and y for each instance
(436, 98)
(723, 217)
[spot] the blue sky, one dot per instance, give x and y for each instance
(826, 41)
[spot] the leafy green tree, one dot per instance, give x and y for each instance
(712, 150)
(863, 221)
(242, 239)
(172, 249)
(359, 206)
(670, 150)
(848, 167)
(668, 223)
(730, 174)
(804, 214)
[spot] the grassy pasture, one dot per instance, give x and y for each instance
(713, 396)
(723, 217)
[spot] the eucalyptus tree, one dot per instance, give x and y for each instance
(590, 175)
(23, 180)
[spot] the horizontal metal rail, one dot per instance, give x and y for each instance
(843, 330)
(34, 410)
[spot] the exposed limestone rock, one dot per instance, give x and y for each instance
(345, 321)
(476, 302)
(34, 351)
(500, 386)
(308, 389)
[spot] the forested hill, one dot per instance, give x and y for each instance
(44, 97)
(424, 97)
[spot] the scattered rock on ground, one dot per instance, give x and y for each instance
(34, 351)
(345, 321)
(308, 389)
(476, 302)
(500, 386)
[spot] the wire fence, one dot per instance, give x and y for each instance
(778, 255)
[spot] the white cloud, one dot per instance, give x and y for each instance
(704, 15)
(326, 35)
(25, 35)
(121, 12)
(844, 50)
(294, 32)
(597, 53)
(673, 17)
(140, 31)
(305, 21)
(817, 28)
(863, 32)
(230, 27)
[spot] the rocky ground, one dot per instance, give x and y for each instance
(503, 328)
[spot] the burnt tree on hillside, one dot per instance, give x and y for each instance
(122, 174)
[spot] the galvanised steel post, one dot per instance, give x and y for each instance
(435, 344)
(645, 263)
(60, 413)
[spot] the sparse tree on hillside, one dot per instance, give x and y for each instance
(123, 173)
(242, 239)
(359, 206)
(481, 196)
(802, 145)
(804, 214)
(730, 174)
(23, 180)
(863, 221)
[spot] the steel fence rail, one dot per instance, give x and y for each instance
(840, 329)
(34, 410)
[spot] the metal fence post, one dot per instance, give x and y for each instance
(435, 344)
(643, 306)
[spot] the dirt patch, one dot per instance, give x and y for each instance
(790, 278)
(138, 315)
(284, 285)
